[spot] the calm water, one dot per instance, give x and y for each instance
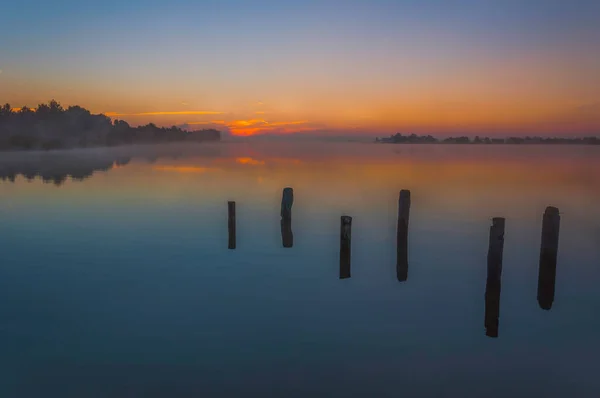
(119, 283)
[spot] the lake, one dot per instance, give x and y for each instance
(116, 279)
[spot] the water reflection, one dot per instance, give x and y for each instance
(131, 266)
(345, 246)
(494, 277)
(548, 258)
(57, 167)
(287, 201)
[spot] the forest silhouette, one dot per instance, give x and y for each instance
(399, 138)
(50, 126)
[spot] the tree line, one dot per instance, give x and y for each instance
(428, 139)
(50, 126)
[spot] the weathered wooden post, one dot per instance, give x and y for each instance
(494, 274)
(345, 246)
(231, 224)
(402, 236)
(287, 201)
(548, 255)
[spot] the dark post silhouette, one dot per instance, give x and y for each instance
(231, 224)
(494, 273)
(548, 254)
(287, 201)
(345, 246)
(402, 236)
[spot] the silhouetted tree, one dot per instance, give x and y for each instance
(50, 126)
(42, 111)
(5, 111)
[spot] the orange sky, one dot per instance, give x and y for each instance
(355, 68)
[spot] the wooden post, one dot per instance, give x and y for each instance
(402, 236)
(548, 255)
(494, 274)
(287, 200)
(345, 246)
(231, 224)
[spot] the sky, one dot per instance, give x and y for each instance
(313, 67)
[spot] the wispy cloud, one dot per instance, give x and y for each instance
(246, 127)
(250, 161)
(288, 123)
(261, 126)
(165, 113)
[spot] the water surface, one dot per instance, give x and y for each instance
(116, 280)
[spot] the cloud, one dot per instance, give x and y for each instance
(288, 123)
(261, 126)
(246, 123)
(0, 71)
(163, 113)
(248, 127)
(249, 161)
(259, 113)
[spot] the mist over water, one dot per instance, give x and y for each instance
(116, 279)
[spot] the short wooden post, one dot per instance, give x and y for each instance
(548, 255)
(345, 246)
(287, 200)
(231, 224)
(494, 274)
(402, 236)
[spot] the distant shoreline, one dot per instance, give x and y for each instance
(463, 140)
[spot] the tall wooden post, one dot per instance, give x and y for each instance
(494, 276)
(402, 236)
(231, 224)
(345, 246)
(548, 255)
(287, 200)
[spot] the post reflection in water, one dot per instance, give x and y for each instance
(494, 277)
(287, 201)
(548, 257)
